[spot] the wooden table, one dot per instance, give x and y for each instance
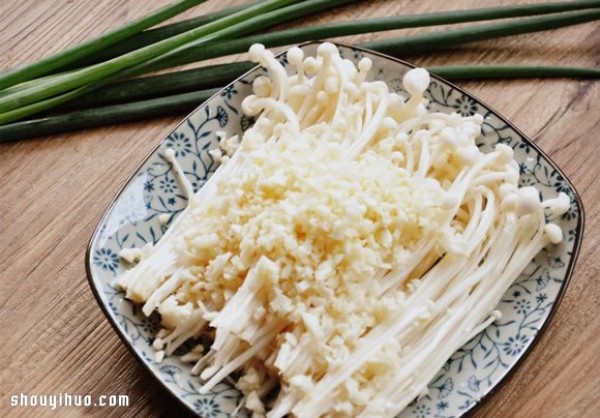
(53, 191)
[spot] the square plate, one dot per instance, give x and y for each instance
(151, 199)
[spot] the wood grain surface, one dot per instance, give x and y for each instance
(54, 337)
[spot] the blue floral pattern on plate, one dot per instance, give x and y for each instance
(136, 217)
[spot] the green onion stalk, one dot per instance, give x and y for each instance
(47, 94)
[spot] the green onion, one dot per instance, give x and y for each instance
(303, 8)
(443, 39)
(46, 65)
(151, 36)
(222, 74)
(104, 116)
(395, 22)
(328, 31)
(27, 84)
(211, 76)
(481, 72)
(236, 24)
(181, 103)
(139, 40)
(394, 46)
(56, 86)
(25, 100)
(37, 107)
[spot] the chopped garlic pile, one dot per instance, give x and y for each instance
(348, 244)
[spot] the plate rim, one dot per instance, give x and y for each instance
(579, 228)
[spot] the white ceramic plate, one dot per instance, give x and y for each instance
(473, 372)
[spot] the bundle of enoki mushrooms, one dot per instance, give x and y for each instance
(348, 244)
